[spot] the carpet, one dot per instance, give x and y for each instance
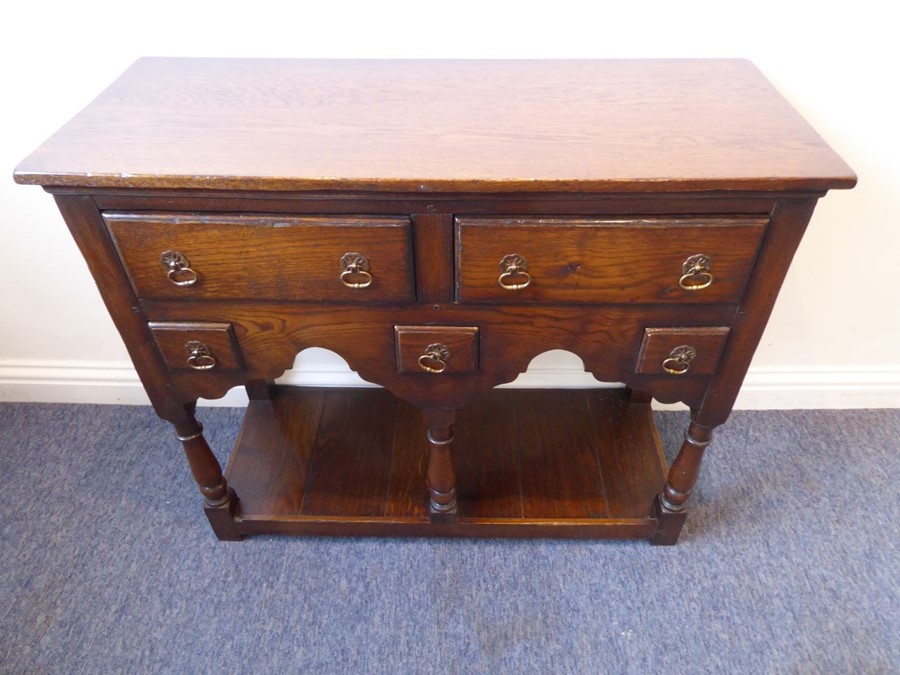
(788, 564)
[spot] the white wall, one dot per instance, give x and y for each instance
(834, 339)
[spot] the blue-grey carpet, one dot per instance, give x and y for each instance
(788, 564)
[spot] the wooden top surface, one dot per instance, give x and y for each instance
(423, 126)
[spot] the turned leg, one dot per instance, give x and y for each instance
(670, 503)
(441, 474)
(220, 500)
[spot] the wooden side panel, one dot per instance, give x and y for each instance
(789, 220)
(87, 228)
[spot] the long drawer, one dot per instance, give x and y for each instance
(219, 256)
(593, 260)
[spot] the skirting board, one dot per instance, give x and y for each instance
(764, 388)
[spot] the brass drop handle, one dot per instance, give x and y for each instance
(355, 271)
(435, 358)
(199, 356)
(180, 272)
(696, 273)
(514, 272)
(678, 362)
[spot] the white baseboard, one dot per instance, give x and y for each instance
(70, 382)
(764, 388)
(777, 388)
(118, 383)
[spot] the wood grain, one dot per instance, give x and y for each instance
(172, 338)
(560, 472)
(89, 231)
(658, 344)
(606, 175)
(607, 338)
(526, 204)
(789, 221)
(277, 439)
(579, 260)
(487, 458)
(460, 341)
(288, 458)
(631, 479)
(349, 470)
(235, 256)
(433, 240)
(422, 126)
(406, 496)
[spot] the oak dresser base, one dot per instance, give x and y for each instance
(440, 224)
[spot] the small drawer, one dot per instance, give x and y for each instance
(199, 347)
(221, 256)
(436, 349)
(681, 351)
(608, 260)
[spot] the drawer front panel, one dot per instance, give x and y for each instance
(575, 260)
(199, 347)
(353, 259)
(436, 349)
(681, 351)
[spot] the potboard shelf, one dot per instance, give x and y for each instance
(531, 463)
